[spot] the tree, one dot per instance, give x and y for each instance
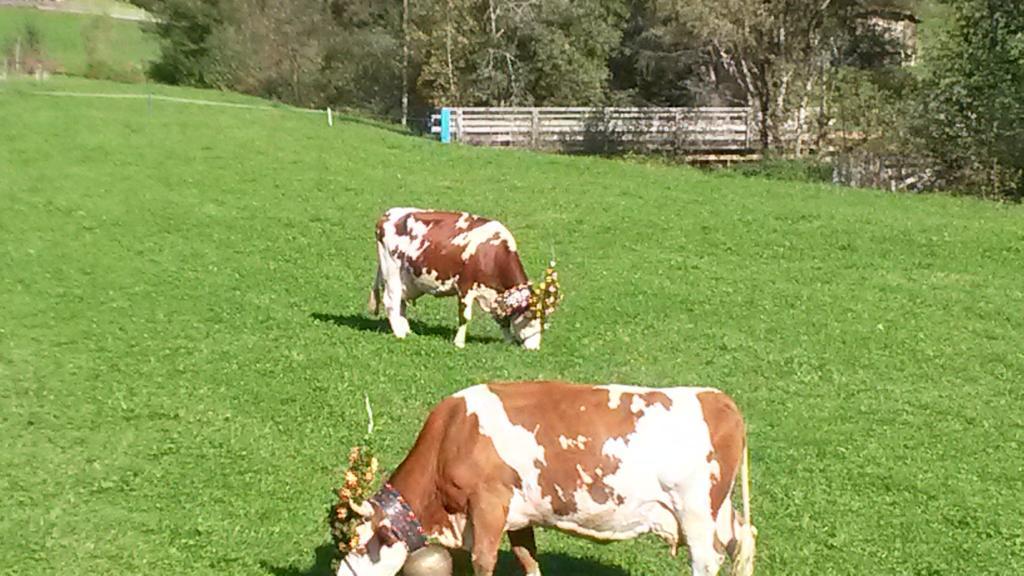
(774, 56)
(516, 52)
(184, 28)
(652, 66)
(568, 45)
(973, 114)
(273, 49)
(363, 57)
(443, 35)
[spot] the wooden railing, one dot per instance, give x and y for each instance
(685, 130)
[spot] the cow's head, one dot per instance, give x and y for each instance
(381, 552)
(523, 311)
(383, 548)
(524, 329)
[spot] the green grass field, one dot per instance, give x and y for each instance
(68, 38)
(184, 347)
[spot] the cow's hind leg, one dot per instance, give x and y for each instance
(394, 307)
(373, 304)
(465, 315)
(524, 547)
(706, 555)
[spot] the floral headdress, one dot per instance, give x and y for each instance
(346, 514)
(353, 505)
(538, 300)
(546, 295)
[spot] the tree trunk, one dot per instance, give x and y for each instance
(765, 100)
(295, 76)
(448, 54)
(801, 115)
(405, 63)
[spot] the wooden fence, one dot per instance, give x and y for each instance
(681, 130)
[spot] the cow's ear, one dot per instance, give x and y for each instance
(386, 535)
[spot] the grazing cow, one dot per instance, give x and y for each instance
(453, 253)
(606, 462)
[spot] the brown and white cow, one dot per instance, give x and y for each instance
(452, 253)
(606, 462)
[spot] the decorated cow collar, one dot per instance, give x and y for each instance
(403, 520)
(513, 301)
(538, 300)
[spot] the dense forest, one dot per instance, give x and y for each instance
(811, 69)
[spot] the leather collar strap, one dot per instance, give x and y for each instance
(403, 519)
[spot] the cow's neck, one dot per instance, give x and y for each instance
(511, 276)
(517, 276)
(416, 482)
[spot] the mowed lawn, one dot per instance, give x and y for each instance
(184, 346)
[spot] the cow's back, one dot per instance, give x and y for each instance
(607, 461)
(441, 252)
(436, 230)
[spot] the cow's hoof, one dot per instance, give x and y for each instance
(532, 343)
(400, 328)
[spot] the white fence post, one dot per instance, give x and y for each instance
(534, 127)
(747, 121)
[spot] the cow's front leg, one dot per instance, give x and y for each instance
(465, 315)
(488, 512)
(524, 547)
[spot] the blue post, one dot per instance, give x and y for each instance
(446, 125)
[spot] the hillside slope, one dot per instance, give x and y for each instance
(184, 348)
(73, 41)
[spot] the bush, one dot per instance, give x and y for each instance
(184, 28)
(794, 169)
(101, 70)
(972, 112)
(98, 40)
(25, 52)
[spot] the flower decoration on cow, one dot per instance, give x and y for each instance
(534, 301)
(353, 496)
(546, 296)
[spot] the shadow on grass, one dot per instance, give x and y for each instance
(354, 118)
(557, 563)
(321, 565)
(368, 324)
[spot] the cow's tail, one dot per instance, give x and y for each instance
(373, 304)
(743, 558)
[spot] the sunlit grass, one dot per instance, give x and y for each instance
(184, 348)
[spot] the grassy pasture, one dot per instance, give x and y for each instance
(184, 347)
(67, 38)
